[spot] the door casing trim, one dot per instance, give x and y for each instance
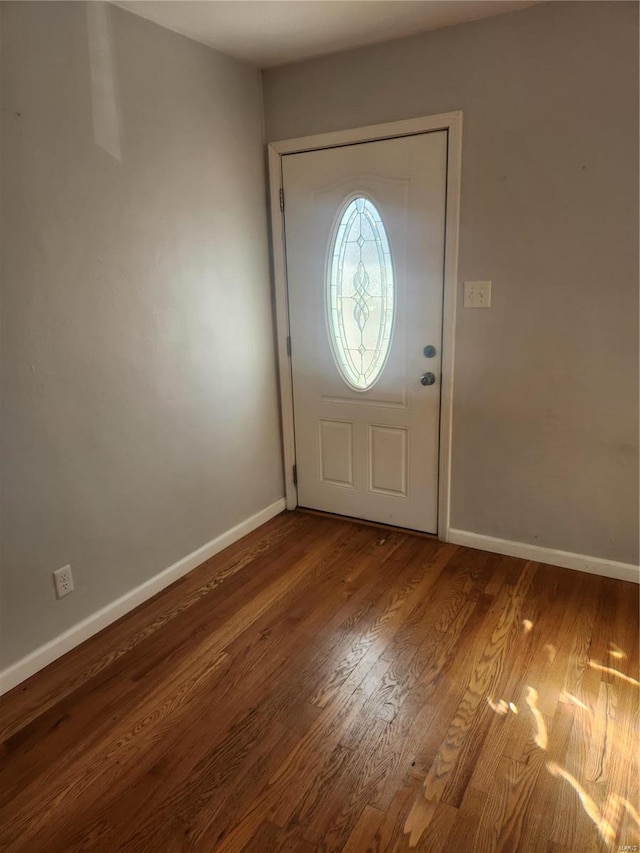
(452, 123)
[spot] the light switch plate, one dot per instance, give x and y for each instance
(477, 294)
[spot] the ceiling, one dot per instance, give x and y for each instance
(273, 32)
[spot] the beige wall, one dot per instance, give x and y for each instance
(139, 398)
(545, 444)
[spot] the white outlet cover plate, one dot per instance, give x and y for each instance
(63, 580)
(477, 294)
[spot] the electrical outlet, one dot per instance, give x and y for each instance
(477, 294)
(63, 580)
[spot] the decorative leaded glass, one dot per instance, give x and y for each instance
(360, 294)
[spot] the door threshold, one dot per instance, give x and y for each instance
(378, 524)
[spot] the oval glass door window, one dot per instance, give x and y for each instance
(360, 294)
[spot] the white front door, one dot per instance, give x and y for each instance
(364, 228)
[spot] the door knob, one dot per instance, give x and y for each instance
(429, 351)
(428, 378)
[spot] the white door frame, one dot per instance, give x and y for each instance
(451, 122)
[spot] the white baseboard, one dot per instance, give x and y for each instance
(60, 645)
(566, 559)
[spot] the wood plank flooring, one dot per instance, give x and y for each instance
(324, 686)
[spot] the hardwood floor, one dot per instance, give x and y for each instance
(322, 686)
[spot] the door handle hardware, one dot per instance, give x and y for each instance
(428, 378)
